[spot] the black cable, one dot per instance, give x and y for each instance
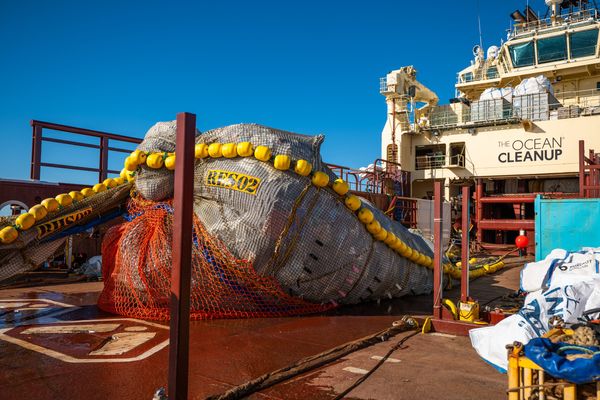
(383, 359)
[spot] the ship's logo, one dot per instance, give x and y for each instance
(233, 180)
(47, 228)
(530, 150)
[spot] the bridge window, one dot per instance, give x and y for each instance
(467, 77)
(491, 73)
(521, 54)
(583, 43)
(552, 49)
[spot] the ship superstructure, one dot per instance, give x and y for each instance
(519, 113)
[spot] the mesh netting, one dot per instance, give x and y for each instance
(138, 256)
(37, 244)
(279, 246)
(287, 247)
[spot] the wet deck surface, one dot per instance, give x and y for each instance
(76, 361)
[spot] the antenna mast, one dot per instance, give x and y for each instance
(479, 26)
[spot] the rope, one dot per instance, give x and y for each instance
(312, 362)
(582, 349)
(379, 364)
(272, 267)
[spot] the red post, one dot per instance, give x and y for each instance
(479, 208)
(437, 249)
(581, 168)
(182, 257)
(464, 278)
(36, 151)
(593, 174)
(102, 174)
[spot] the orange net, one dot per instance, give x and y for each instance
(137, 273)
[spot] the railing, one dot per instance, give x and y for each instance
(381, 177)
(589, 173)
(582, 98)
(481, 75)
(442, 161)
(430, 162)
(571, 18)
(534, 107)
(382, 85)
(103, 145)
(403, 210)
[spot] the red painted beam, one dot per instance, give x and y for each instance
(437, 249)
(479, 207)
(103, 163)
(36, 152)
(509, 199)
(581, 168)
(507, 224)
(181, 271)
(464, 277)
(32, 192)
(453, 327)
(89, 132)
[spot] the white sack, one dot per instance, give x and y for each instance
(571, 286)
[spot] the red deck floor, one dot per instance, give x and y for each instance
(42, 364)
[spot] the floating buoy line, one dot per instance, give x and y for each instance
(282, 162)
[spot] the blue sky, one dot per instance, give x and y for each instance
(309, 67)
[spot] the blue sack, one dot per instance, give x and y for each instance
(552, 358)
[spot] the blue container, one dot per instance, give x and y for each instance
(568, 224)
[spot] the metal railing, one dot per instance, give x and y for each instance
(481, 75)
(571, 18)
(533, 106)
(442, 161)
(432, 161)
(381, 177)
(103, 145)
(383, 85)
(404, 210)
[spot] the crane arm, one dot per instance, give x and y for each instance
(403, 82)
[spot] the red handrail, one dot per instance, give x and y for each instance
(103, 146)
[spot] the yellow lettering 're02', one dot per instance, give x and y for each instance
(232, 180)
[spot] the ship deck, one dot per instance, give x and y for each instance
(50, 338)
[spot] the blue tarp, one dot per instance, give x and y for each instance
(552, 357)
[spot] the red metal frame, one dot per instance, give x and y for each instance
(181, 272)
(442, 321)
(408, 207)
(373, 185)
(374, 181)
(464, 278)
(437, 249)
(494, 224)
(103, 146)
(589, 173)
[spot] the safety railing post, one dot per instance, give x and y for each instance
(581, 168)
(103, 167)
(437, 249)
(479, 208)
(182, 257)
(466, 216)
(36, 151)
